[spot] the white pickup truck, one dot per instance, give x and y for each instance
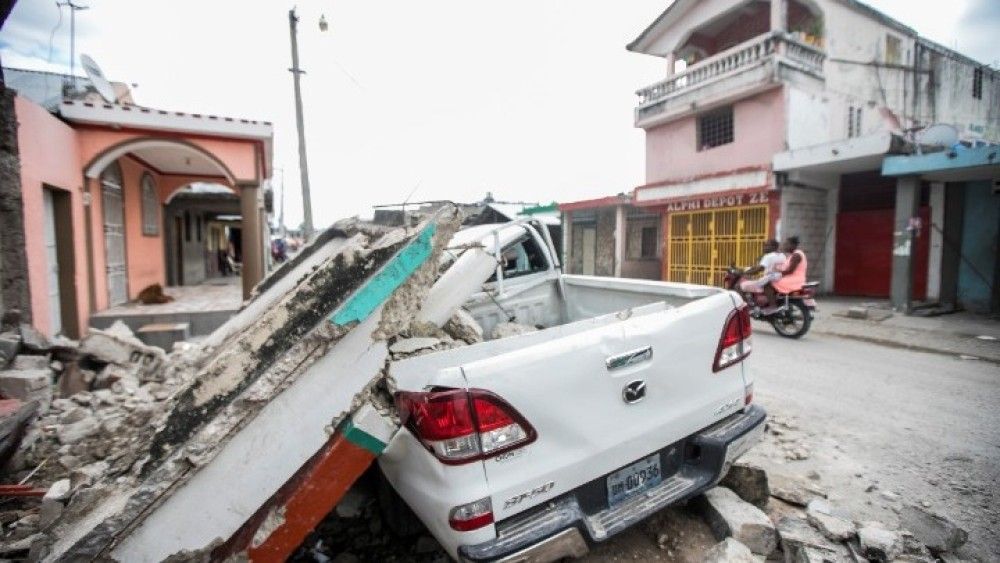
(634, 395)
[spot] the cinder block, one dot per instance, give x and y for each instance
(164, 335)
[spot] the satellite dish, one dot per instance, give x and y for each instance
(97, 78)
(937, 135)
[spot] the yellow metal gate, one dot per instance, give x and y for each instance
(702, 244)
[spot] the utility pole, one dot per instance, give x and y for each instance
(307, 218)
(73, 9)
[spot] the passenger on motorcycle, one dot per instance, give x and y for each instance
(794, 272)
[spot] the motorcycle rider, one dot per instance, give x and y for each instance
(793, 275)
(771, 264)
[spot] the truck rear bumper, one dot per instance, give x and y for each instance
(564, 527)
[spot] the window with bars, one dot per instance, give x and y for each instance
(977, 83)
(649, 237)
(150, 207)
(853, 121)
(715, 128)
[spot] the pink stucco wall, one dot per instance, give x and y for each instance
(55, 155)
(146, 265)
(50, 158)
(758, 127)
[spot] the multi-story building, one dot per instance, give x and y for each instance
(774, 119)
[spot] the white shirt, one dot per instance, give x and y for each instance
(771, 261)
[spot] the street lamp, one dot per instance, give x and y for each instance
(307, 219)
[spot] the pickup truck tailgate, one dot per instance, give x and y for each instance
(606, 397)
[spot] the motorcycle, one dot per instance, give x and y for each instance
(795, 311)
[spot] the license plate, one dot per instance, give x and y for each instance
(636, 478)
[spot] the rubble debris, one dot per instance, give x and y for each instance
(15, 416)
(461, 326)
(793, 490)
(53, 502)
(937, 532)
(729, 550)
(359, 297)
(117, 345)
(33, 341)
(10, 342)
(24, 362)
(729, 515)
(749, 482)
(406, 346)
(28, 385)
(879, 544)
(836, 527)
(506, 330)
(801, 542)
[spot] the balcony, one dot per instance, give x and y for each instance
(744, 69)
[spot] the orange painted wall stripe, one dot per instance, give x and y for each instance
(321, 488)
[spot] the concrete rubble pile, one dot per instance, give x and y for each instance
(802, 526)
(135, 437)
(94, 403)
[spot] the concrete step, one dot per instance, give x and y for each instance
(164, 335)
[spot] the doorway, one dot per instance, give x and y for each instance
(589, 250)
(60, 265)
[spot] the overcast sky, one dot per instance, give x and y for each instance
(529, 99)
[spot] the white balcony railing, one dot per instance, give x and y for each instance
(729, 62)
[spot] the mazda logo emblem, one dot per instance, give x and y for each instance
(634, 391)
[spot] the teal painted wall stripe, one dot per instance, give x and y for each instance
(380, 287)
(362, 439)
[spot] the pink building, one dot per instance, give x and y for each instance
(95, 186)
(773, 119)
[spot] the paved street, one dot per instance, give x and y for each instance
(922, 428)
(918, 425)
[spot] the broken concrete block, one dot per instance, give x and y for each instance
(506, 330)
(729, 551)
(10, 343)
(803, 544)
(89, 474)
(936, 532)
(33, 341)
(462, 326)
(74, 433)
(834, 526)
(793, 490)
(164, 335)
(405, 346)
(729, 515)
(53, 502)
(19, 384)
(879, 544)
(22, 362)
(749, 482)
(117, 345)
(857, 313)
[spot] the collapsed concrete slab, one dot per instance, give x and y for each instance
(264, 403)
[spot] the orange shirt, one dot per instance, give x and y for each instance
(794, 280)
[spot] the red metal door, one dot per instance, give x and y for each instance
(863, 265)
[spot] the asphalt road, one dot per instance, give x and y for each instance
(922, 428)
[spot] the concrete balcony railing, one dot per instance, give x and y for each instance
(720, 72)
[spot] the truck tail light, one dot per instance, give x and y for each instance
(734, 345)
(471, 516)
(460, 426)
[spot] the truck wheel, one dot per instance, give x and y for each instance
(793, 323)
(396, 514)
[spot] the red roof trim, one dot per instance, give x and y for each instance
(609, 201)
